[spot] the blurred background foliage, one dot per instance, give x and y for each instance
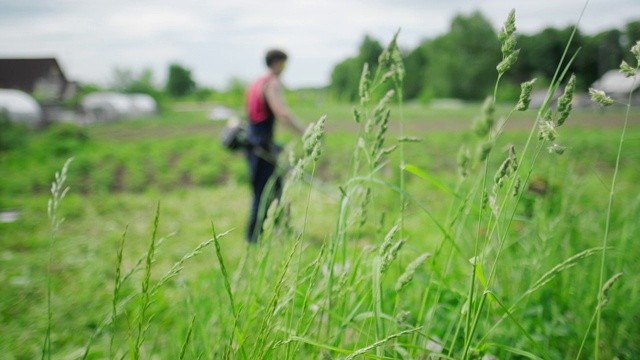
(451, 65)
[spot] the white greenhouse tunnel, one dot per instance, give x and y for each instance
(106, 106)
(20, 107)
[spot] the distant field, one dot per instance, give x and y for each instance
(340, 117)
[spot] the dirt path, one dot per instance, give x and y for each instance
(521, 122)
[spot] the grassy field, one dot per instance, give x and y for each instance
(404, 231)
(370, 262)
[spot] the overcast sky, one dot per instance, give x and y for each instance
(220, 39)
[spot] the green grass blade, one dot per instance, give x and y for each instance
(143, 323)
(517, 323)
(513, 350)
(183, 349)
(223, 268)
(379, 343)
(424, 175)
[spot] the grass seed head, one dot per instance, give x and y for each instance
(510, 24)
(599, 97)
(566, 264)
(402, 316)
(410, 271)
(517, 185)
(507, 169)
(525, 95)
(483, 124)
(380, 136)
(391, 59)
(485, 199)
(384, 61)
(365, 84)
(480, 127)
(556, 149)
(387, 150)
(391, 255)
(484, 148)
(502, 172)
(273, 213)
(488, 108)
(564, 101)
(306, 136)
(312, 139)
(297, 171)
(463, 161)
(493, 203)
(366, 199)
(547, 130)
(319, 134)
(386, 76)
(379, 112)
(410, 139)
(627, 69)
(386, 244)
(606, 287)
(58, 192)
(509, 45)
(508, 62)
(635, 50)
(502, 36)
(514, 159)
(397, 64)
(357, 115)
(368, 126)
(509, 27)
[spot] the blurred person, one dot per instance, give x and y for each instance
(265, 103)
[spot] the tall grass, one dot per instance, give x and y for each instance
(604, 287)
(58, 192)
(492, 262)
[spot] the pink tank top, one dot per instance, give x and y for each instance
(257, 106)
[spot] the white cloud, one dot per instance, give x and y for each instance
(219, 39)
(140, 23)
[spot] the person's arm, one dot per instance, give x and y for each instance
(275, 97)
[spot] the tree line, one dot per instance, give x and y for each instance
(461, 63)
(458, 64)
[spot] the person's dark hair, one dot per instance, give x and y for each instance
(275, 55)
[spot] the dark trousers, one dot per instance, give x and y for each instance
(265, 183)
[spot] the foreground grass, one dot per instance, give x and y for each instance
(415, 253)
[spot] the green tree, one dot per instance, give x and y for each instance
(234, 95)
(121, 79)
(541, 53)
(346, 75)
(343, 82)
(416, 63)
(128, 81)
(599, 54)
(203, 94)
(461, 61)
(631, 36)
(369, 52)
(143, 83)
(179, 82)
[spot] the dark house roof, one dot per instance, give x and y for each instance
(22, 74)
